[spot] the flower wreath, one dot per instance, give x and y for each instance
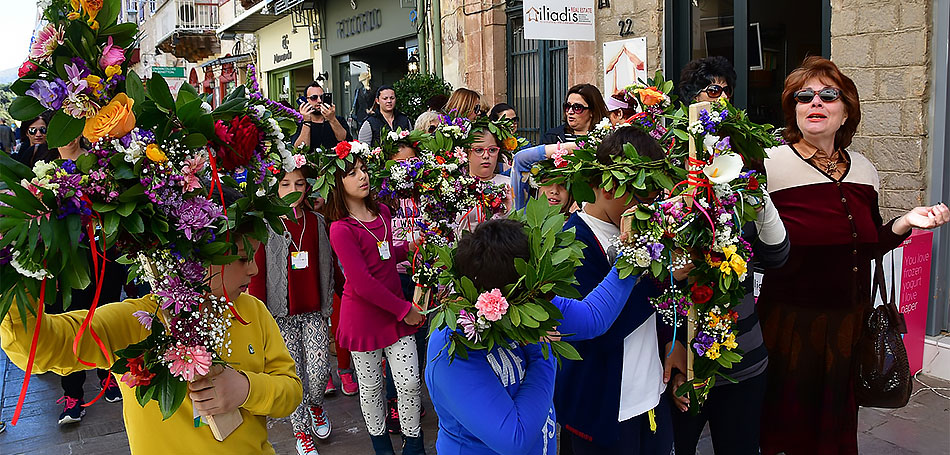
(521, 312)
(503, 129)
(326, 163)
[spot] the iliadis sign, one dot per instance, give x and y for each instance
(559, 19)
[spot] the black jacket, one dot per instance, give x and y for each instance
(377, 123)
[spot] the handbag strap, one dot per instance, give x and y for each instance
(890, 301)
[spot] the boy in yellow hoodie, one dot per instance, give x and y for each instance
(260, 380)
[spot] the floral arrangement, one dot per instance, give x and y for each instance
(521, 312)
(701, 223)
(326, 162)
(254, 91)
(153, 187)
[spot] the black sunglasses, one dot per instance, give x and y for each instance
(314, 97)
(826, 94)
(32, 131)
(577, 108)
(716, 90)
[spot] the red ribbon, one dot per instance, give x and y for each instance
(696, 180)
(216, 182)
(29, 363)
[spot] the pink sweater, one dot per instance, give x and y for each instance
(372, 307)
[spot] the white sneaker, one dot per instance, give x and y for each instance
(305, 444)
(320, 424)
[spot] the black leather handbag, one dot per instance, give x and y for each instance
(883, 372)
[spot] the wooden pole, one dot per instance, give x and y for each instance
(694, 110)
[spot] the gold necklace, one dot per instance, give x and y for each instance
(827, 165)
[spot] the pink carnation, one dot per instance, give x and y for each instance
(460, 154)
(111, 55)
(187, 362)
(491, 305)
(558, 157)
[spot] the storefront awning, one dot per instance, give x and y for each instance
(225, 60)
(251, 21)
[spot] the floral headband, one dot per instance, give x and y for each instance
(327, 162)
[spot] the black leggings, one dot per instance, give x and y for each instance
(733, 412)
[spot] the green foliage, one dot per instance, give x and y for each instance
(415, 89)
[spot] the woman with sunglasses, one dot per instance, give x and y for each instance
(583, 108)
(708, 79)
(464, 103)
(35, 144)
(812, 308)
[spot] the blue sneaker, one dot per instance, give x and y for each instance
(72, 411)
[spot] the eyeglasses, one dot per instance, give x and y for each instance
(514, 119)
(32, 131)
(716, 90)
(826, 94)
(431, 129)
(575, 108)
(314, 97)
(481, 151)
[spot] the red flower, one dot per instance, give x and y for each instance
(753, 184)
(701, 294)
(342, 150)
(26, 68)
(241, 137)
(137, 375)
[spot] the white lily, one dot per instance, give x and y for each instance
(724, 168)
(709, 143)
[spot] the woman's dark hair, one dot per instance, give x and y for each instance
(437, 102)
(594, 99)
(335, 208)
(645, 145)
(826, 71)
(699, 73)
(379, 91)
(44, 116)
(497, 109)
(487, 255)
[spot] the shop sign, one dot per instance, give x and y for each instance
(366, 21)
(572, 20)
(169, 71)
(284, 53)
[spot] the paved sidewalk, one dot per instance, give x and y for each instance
(922, 427)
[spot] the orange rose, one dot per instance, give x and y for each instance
(510, 143)
(650, 96)
(116, 120)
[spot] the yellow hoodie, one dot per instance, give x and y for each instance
(257, 349)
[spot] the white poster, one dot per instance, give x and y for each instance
(624, 64)
(571, 20)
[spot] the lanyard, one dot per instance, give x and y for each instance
(385, 229)
(289, 237)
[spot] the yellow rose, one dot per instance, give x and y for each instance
(730, 342)
(155, 154)
(738, 264)
(113, 70)
(116, 120)
(725, 268)
(729, 251)
(713, 352)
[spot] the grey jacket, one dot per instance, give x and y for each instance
(277, 250)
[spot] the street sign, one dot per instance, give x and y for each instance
(169, 71)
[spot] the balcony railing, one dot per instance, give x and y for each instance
(186, 16)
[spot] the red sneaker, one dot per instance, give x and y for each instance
(350, 387)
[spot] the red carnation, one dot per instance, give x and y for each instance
(26, 68)
(342, 150)
(242, 138)
(753, 184)
(137, 375)
(701, 294)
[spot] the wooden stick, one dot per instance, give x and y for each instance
(421, 297)
(222, 425)
(694, 110)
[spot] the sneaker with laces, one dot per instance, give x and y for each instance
(331, 389)
(392, 417)
(348, 384)
(305, 444)
(72, 411)
(319, 422)
(113, 394)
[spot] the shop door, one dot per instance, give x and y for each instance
(537, 78)
(763, 56)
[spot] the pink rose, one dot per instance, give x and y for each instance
(111, 55)
(491, 305)
(299, 160)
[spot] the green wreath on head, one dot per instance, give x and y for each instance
(327, 162)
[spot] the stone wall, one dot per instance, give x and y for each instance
(586, 59)
(473, 47)
(884, 46)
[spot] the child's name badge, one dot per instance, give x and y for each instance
(299, 260)
(384, 253)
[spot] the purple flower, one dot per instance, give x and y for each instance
(76, 76)
(703, 343)
(49, 94)
(6, 254)
(656, 250)
(724, 144)
(193, 271)
(196, 214)
(469, 324)
(176, 290)
(69, 166)
(144, 317)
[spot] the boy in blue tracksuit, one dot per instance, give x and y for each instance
(611, 402)
(500, 401)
